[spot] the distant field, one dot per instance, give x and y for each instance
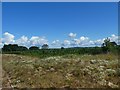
(70, 71)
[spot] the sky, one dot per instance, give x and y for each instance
(59, 24)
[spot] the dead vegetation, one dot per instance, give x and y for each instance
(71, 71)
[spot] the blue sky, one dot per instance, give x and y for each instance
(55, 21)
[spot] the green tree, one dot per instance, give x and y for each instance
(10, 47)
(45, 46)
(22, 48)
(62, 47)
(34, 48)
(108, 46)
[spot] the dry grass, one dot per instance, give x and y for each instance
(84, 71)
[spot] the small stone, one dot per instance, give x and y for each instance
(69, 75)
(52, 69)
(93, 61)
(66, 86)
(111, 72)
(102, 82)
(18, 81)
(112, 85)
(20, 57)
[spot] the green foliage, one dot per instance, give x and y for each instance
(62, 47)
(34, 48)
(22, 48)
(109, 47)
(45, 46)
(42, 53)
(13, 47)
(58, 52)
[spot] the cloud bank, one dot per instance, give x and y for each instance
(8, 38)
(82, 41)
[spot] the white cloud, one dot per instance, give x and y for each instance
(34, 40)
(85, 41)
(114, 38)
(72, 35)
(99, 41)
(0, 40)
(66, 42)
(76, 41)
(1, 44)
(38, 41)
(83, 38)
(23, 41)
(56, 42)
(8, 38)
(82, 41)
(91, 42)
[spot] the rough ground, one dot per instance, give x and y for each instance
(71, 71)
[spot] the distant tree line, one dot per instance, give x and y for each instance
(15, 47)
(106, 47)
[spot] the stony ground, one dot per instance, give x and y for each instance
(70, 71)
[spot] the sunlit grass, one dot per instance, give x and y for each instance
(81, 71)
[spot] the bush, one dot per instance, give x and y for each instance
(34, 48)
